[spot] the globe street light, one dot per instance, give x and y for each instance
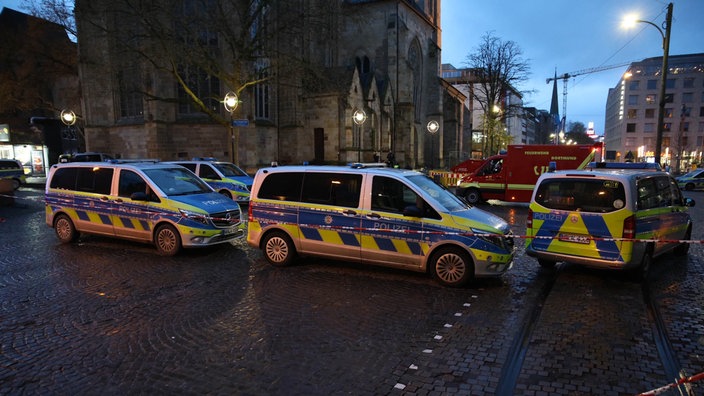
(359, 117)
(433, 128)
(629, 22)
(230, 102)
(68, 117)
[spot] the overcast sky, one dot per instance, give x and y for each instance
(570, 36)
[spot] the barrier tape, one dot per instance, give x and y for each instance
(407, 231)
(470, 234)
(122, 210)
(681, 381)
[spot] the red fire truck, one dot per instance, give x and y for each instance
(511, 176)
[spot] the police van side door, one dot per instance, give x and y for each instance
(389, 236)
(92, 201)
(329, 215)
(676, 218)
(133, 218)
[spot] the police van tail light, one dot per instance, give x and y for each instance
(249, 213)
(629, 227)
(529, 219)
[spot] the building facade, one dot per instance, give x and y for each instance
(319, 63)
(632, 110)
(38, 78)
(515, 124)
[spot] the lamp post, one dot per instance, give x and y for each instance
(68, 118)
(433, 128)
(663, 73)
(230, 102)
(359, 117)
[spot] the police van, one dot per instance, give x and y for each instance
(607, 218)
(151, 202)
(225, 177)
(389, 217)
(12, 170)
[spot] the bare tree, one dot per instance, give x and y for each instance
(499, 68)
(577, 132)
(226, 45)
(57, 11)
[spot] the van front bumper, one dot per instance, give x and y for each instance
(492, 264)
(221, 236)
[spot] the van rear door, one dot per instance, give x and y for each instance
(580, 216)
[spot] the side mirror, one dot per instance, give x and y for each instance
(689, 202)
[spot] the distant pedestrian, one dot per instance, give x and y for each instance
(390, 159)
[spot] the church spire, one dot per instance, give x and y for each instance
(554, 112)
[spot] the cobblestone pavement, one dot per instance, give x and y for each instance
(105, 316)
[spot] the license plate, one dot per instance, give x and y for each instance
(229, 231)
(574, 238)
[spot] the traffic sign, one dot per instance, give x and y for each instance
(240, 123)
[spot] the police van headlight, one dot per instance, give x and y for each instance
(493, 238)
(200, 218)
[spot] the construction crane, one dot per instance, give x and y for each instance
(567, 76)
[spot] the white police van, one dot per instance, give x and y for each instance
(164, 204)
(389, 217)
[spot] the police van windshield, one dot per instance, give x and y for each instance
(177, 181)
(229, 170)
(448, 200)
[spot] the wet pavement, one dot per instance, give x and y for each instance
(105, 316)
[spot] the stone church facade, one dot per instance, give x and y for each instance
(384, 57)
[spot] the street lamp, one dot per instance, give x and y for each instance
(667, 25)
(68, 117)
(433, 128)
(359, 117)
(230, 102)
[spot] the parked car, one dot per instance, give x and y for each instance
(389, 217)
(612, 219)
(692, 180)
(163, 204)
(12, 169)
(225, 177)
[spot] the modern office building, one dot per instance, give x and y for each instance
(632, 110)
(516, 123)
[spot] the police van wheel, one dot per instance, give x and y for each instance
(473, 196)
(689, 186)
(452, 267)
(16, 184)
(65, 230)
(226, 193)
(167, 240)
(683, 248)
(641, 272)
(547, 263)
(278, 249)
